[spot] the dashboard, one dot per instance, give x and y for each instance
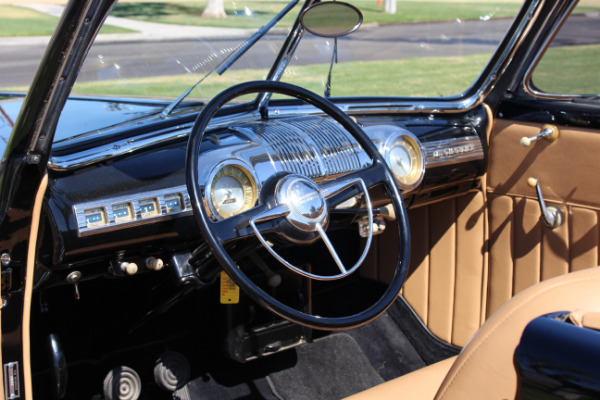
(135, 204)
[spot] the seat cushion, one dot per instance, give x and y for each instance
(420, 384)
(484, 369)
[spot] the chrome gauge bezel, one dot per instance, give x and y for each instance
(214, 210)
(413, 146)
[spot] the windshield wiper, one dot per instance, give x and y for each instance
(232, 57)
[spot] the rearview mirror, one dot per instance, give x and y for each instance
(331, 19)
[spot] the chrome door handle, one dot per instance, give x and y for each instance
(551, 216)
(548, 132)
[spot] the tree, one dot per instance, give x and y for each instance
(214, 9)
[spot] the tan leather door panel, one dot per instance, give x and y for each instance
(522, 250)
(473, 253)
(567, 168)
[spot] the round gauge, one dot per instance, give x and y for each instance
(405, 159)
(401, 160)
(232, 190)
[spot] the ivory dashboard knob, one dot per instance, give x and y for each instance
(129, 268)
(155, 264)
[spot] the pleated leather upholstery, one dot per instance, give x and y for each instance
(446, 282)
(473, 253)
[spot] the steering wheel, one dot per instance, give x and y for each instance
(303, 203)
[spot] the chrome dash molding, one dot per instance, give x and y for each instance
(452, 151)
(106, 205)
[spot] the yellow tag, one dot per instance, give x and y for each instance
(230, 292)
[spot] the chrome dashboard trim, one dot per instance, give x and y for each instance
(452, 151)
(261, 165)
(308, 145)
(107, 204)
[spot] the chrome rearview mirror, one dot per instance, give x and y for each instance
(331, 19)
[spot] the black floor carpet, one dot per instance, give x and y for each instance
(331, 367)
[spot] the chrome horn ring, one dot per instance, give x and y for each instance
(304, 205)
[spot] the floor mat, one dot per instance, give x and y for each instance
(329, 368)
(386, 346)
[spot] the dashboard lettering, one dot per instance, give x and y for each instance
(452, 151)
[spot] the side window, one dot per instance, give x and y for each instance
(570, 65)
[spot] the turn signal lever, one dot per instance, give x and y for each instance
(551, 216)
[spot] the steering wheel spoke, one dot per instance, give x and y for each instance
(331, 249)
(240, 226)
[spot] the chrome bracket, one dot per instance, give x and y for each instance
(551, 216)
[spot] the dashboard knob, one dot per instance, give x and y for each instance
(155, 264)
(129, 268)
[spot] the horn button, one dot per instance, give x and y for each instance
(306, 204)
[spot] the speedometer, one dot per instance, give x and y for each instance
(232, 190)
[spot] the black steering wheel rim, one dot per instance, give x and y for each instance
(218, 250)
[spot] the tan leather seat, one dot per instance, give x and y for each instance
(484, 369)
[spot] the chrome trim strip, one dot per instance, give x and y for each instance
(312, 146)
(131, 145)
(106, 204)
(452, 151)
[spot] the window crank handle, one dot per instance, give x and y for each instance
(548, 132)
(551, 216)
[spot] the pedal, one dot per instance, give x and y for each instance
(172, 371)
(122, 383)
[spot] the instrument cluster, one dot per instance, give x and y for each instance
(247, 154)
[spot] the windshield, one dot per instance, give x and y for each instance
(421, 48)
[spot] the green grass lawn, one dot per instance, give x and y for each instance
(255, 13)
(433, 76)
(410, 77)
(569, 70)
(19, 21)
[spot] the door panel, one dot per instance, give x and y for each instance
(459, 276)
(567, 168)
(523, 251)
